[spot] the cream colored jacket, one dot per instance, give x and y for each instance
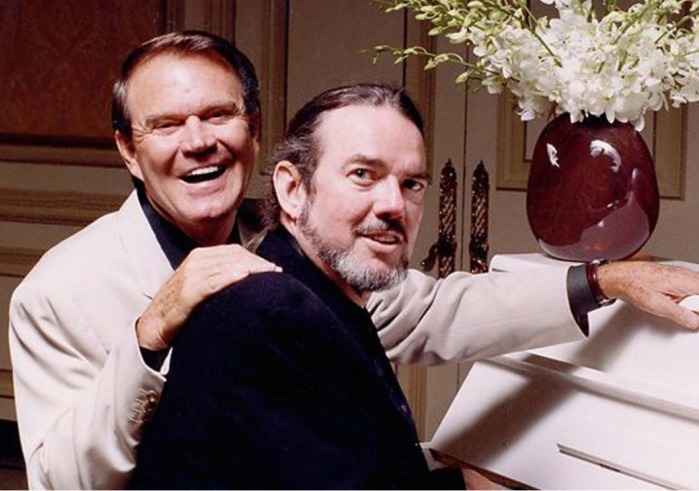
(83, 392)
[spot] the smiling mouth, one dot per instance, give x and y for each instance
(388, 239)
(204, 174)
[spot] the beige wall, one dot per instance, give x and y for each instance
(300, 48)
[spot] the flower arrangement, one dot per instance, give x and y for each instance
(618, 64)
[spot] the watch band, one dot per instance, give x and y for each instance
(592, 280)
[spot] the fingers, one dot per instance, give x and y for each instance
(203, 273)
(687, 318)
(208, 270)
(664, 306)
(238, 260)
(684, 311)
(654, 288)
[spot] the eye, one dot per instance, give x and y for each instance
(220, 116)
(165, 127)
(415, 185)
(415, 189)
(362, 176)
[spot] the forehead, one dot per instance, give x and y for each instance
(182, 80)
(378, 133)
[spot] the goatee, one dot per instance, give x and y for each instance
(348, 266)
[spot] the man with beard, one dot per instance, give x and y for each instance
(296, 391)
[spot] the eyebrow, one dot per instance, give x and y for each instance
(359, 158)
(232, 106)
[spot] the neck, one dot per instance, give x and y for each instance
(207, 232)
(211, 234)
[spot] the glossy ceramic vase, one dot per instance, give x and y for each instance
(592, 191)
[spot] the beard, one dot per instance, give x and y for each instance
(347, 265)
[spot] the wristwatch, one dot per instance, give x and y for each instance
(593, 282)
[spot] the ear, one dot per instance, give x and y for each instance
(289, 189)
(255, 125)
(255, 129)
(128, 153)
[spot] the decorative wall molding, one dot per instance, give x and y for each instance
(16, 262)
(667, 143)
(45, 154)
(512, 163)
(6, 384)
(56, 75)
(55, 208)
(669, 150)
(275, 26)
(214, 16)
(413, 381)
(419, 82)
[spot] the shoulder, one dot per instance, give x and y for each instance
(99, 242)
(267, 308)
(270, 316)
(267, 294)
(77, 247)
(87, 257)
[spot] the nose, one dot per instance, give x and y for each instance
(196, 136)
(390, 202)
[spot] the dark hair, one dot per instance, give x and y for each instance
(300, 145)
(184, 43)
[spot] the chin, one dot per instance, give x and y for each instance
(214, 205)
(388, 264)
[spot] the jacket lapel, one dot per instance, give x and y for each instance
(142, 247)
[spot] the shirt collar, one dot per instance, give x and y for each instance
(175, 244)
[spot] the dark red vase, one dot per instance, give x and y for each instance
(592, 191)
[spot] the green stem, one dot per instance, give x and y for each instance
(634, 19)
(678, 25)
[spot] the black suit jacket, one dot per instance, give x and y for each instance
(280, 381)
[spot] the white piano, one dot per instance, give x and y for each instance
(618, 411)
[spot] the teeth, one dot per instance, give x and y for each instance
(204, 174)
(203, 170)
(386, 239)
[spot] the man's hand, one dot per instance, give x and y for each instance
(655, 288)
(204, 272)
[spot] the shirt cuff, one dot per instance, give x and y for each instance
(580, 296)
(154, 359)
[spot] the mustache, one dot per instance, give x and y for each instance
(381, 226)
